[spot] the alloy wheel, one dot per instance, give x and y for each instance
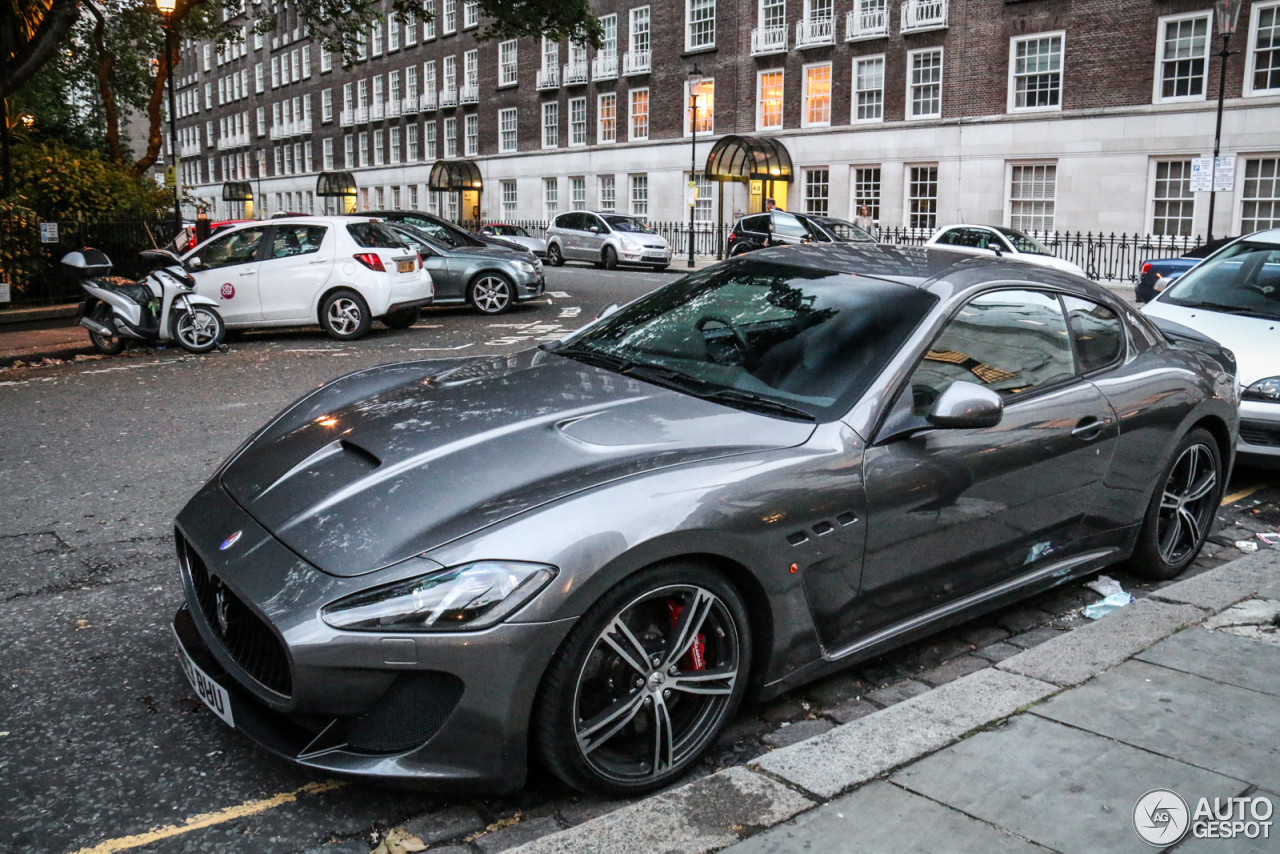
(491, 294)
(656, 683)
(344, 316)
(1186, 504)
(197, 330)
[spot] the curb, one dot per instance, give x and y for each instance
(35, 313)
(35, 355)
(717, 811)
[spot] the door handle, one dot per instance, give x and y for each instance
(322, 261)
(249, 273)
(1088, 428)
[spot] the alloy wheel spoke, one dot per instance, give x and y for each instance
(689, 625)
(663, 737)
(1192, 524)
(1200, 489)
(629, 649)
(709, 682)
(1170, 539)
(617, 715)
(1169, 501)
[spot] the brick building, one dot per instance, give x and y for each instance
(1078, 115)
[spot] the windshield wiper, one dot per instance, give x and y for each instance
(663, 375)
(594, 357)
(1228, 309)
(749, 400)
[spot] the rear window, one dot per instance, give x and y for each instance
(375, 235)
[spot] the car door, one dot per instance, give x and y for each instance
(298, 262)
(228, 272)
(572, 233)
(447, 273)
(788, 229)
(593, 241)
(953, 512)
(755, 230)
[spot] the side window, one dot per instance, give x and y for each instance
(1007, 341)
(1097, 332)
(786, 225)
(296, 240)
(239, 247)
(757, 224)
(433, 230)
(950, 237)
(567, 221)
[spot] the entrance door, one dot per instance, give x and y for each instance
(471, 206)
(297, 265)
(954, 511)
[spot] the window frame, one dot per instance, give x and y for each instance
(906, 194)
(631, 114)
(1012, 95)
(514, 114)
(513, 66)
(1157, 96)
(1009, 167)
(1251, 55)
(855, 91)
(911, 55)
(1153, 171)
(544, 108)
(689, 45)
(782, 98)
(1242, 170)
(600, 118)
(805, 121)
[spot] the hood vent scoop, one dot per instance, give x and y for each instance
(353, 457)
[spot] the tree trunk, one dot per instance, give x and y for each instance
(155, 108)
(106, 62)
(28, 58)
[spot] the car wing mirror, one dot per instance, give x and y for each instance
(194, 264)
(966, 405)
(608, 310)
(595, 229)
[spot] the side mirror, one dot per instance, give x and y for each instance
(608, 310)
(966, 405)
(194, 263)
(595, 229)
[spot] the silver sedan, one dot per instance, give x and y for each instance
(487, 277)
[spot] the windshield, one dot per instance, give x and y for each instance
(508, 231)
(626, 223)
(760, 336)
(1024, 242)
(845, 231)
(418, 236)
(1244, 278)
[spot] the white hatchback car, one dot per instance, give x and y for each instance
(995, 239)
(1233, 297)
(338, 271)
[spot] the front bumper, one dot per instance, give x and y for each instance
(1259, 433)
(445, 711)
(531, 288)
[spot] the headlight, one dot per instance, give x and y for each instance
(471, 596)
(1266, 390)
(522, 266)
(630, 242)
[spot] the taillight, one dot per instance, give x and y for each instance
(371, 260)
(1146, 268)
(732, 237)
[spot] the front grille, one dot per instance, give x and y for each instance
(1260, 433)
(246, 638)
(411, 712)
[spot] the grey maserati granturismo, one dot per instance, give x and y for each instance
(587, 554)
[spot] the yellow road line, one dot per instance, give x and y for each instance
(1244, 493)
(209, 819)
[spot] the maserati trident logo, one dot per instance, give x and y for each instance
(230, 541)
(220, 610)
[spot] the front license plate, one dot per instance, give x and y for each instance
(404, 266)
(211, 693)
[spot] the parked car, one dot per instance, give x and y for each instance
(489, 278)
(338, 271)
(769, 470)
(516, 234)
(996, 239)
(1158, 273)
(782, 228)
(186, 239)
(448, 233)
(1233, 298)
(606, 240)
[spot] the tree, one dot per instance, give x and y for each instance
(30, 33)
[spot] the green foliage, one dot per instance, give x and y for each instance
(60, 182)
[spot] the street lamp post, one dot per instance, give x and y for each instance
(166, 7)
(695, 88)
(1228, 13)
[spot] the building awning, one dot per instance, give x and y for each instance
(453, 175)
(336, 184)
(748, 158)
(237, 191)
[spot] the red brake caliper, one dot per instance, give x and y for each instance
(695, 658)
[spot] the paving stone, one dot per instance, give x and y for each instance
(741, 729)
(857, 751)
(1068, 790)
(933, 652)
(898, 691)
(1035, 637)
(518, 834)
(1059, 601)
(706, 815)
(953, 670)
(884, 819)
(882, 672)
(851, 710)
(348, 847)
(1230, 730)
(1218, 588)
(589, 808)
(786, 708)
(454, 849)
(1075, 656)
(787, 735)
(1021, 619)
(984, 635)
(450, 823)
(997, 652)
(1270, 591)
(837, 689)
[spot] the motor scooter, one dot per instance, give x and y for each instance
(159, 308)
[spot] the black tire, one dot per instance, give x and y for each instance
(1182, 509)
(590, 688)
(554, 258)
(491, 293)
(344, 315)
(402, 319)
(610, 258)
(199, 330)
(112, 346)
(661, 268)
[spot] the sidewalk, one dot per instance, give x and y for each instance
(1048, 751)
(61, 339)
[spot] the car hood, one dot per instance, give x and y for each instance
(378, 478)
(500, 253)
(1254, 341)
